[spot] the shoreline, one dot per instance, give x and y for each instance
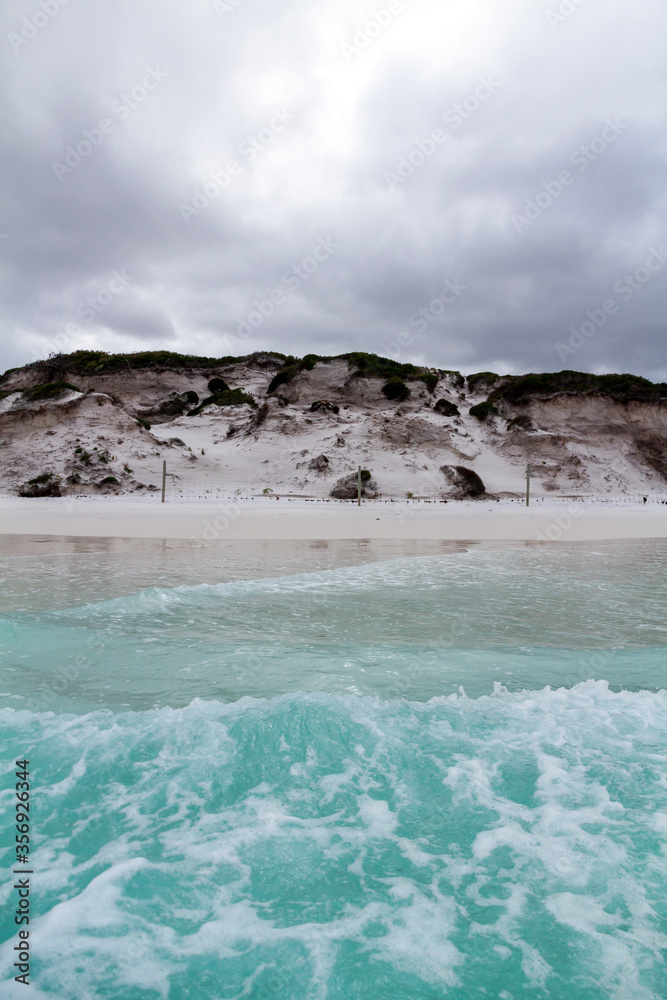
(295, 519)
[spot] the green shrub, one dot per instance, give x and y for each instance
(173, 407)
(373, 366)
(395, 390)
(232, 397)
(51, 390)
(482, 379)
(446, 408)
(282, 377)
(430, 380)
(108, 480)
(365, 365)
(143, 423)
(518, 388)
(483, 410)
(46, 485)
(215, 386)
(292, 368)
(99, 362)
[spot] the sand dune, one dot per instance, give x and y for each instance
(97, 432)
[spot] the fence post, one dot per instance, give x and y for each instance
(359, 486)
(528, 485)
(164, 478)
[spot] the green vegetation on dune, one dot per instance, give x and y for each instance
(365, 365)
(395, 390)
(518, 388)
(216, 385)
(483, 410)
(373, 366)
(509, 388)
(231, 397)
(284, 376)
(51, 390)
(430, 380)
(481, 379)
(45, 485)
(447, 408)
(100, 362)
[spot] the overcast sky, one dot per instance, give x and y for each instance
(473, 184)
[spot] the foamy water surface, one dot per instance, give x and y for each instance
(441, 775)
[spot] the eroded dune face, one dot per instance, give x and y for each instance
(256, 424)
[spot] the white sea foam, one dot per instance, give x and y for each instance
(293, 841)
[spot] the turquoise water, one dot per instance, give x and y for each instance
(421, 777)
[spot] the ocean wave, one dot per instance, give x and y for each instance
(315, 845)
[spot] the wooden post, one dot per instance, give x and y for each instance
(164, 478)
(359, 486)
(528, 485)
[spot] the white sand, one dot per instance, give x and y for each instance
(265, 518)
(587, 445)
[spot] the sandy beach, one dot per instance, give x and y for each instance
(284, 519)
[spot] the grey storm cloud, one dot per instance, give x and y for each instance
(470, 185)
